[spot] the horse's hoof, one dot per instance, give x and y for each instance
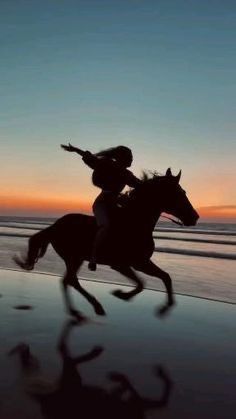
(161, 312)
(92, 266)
(23, 265)
(117, 293)
(121, 295)
(100, 311)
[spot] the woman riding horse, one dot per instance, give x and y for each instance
(111, 175)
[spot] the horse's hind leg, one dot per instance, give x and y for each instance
(71, 279)
(129, 273)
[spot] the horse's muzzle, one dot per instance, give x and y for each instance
(192, 221)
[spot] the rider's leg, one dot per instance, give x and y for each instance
(98, 243)
(102, 214)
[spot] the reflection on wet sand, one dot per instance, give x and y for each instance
(189, 342)
(71, 397)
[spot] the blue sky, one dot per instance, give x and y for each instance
(158, 76)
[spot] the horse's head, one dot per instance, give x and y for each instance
(168, 196)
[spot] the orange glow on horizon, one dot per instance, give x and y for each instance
(49, 206)
(56, 205)
(221, 211)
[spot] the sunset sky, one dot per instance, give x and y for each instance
(158, 76)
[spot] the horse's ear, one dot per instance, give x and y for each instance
(178, 176)
(168, 172)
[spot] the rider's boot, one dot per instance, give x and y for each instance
(92, 265)
(98, 244)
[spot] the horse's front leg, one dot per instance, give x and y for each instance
(151, 269)
(129, 273)
(63, 345)
(69, 306)
(72, 281)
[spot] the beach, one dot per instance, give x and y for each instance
(134, 363)
(179, 366)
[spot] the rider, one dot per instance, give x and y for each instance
(111, 175)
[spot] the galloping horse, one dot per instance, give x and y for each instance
(130, 245)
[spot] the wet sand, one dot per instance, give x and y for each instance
(185, 360)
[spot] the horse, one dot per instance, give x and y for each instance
(128, 248)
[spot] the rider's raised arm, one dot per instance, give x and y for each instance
(132, 180)
(69, 147)
(88, 158)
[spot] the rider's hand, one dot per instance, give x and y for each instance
(68, 147)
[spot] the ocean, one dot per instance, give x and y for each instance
(200, 259)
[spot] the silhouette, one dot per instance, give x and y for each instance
(129, 246)
(29, 362)
(70, 397)
(111, 175)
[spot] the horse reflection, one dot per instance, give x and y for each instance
(72, 398)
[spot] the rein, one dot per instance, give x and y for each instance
(173, 221)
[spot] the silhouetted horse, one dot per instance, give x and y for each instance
(130, 245)
(71, 398)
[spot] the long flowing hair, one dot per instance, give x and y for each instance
(118, 153)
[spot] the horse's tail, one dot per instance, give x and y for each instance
(37, 247)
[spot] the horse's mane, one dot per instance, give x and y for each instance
(149, 174)
(145, 178)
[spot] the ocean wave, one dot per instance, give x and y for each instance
(180, 231)
(186, 252)
(37, 226)
(26, 220)
(208, 229)
(193, 240)
(200, 253)
(15, 235)
(196, 231)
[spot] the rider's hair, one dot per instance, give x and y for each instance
(119, 153)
